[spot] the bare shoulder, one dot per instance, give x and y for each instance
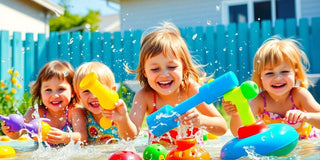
(257, 104)
(76, 108)
(142, 99)
(192, 88)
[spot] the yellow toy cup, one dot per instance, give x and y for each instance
(107, 97)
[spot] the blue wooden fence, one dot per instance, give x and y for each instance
(221, 48)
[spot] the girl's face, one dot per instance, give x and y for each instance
(164, 74)
(279, 79)
(56, 94)
(90, 101)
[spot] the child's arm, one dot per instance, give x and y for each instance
(138, 111)
(235, 121)
(121, 117)
(13, 135)
(310, 108)
(78, 121)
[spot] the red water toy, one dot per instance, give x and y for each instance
(125, 155)
(187, 150)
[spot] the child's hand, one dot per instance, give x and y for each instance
(230, 109)
(294, 116)
(6, 130)
(57, 136)
(192, 117)
(118, 113)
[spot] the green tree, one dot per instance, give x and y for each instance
(70, 21)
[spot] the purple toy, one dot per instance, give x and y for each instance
(15, 121)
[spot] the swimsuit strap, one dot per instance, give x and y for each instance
(67, 117)
(45, 114)
(264, 100)
(154, 102)
(291, 98)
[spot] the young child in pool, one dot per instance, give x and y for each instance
(96, 133)
(56, 101)
(168, 75)
(280, 75)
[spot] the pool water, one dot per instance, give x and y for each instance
(306, 149)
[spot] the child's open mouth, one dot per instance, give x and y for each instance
(278, 85)
(165, 84)
(94, 104)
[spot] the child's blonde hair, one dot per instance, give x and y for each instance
(166, 39)
(276, 50)
(104, 74)
(60, 69)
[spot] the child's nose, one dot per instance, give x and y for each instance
(165, 72)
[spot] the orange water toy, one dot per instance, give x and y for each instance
(107, 97)
(188, 150)
(7, 152)
(4, 138)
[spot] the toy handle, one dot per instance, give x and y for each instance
(107, 97)
(239, 96)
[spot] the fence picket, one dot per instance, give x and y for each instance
(219, 49)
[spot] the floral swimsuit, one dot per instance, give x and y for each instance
(305, 130)
(97, 134)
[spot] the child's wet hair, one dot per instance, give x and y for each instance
(275, 51)
(59, 69)
(166, 39)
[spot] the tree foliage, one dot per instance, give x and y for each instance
(70, 21)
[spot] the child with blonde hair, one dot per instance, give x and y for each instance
(168, 76)
(54, 96)
(96, 133)
(280, 74)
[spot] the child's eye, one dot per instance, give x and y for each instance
(155, 69)
(172, 67)
(86, 91)
(62, 89)
(269, 73)
(285, 71)
(48, 90)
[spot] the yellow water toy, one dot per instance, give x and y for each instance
(33, 127)
(4, 138)
(7, 152)
(107, 97)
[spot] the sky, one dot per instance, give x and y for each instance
(81, 7)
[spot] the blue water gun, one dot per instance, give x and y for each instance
(162, 120)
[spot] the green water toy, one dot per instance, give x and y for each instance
(155, 152)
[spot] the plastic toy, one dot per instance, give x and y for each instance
(33, 128)
(162, 120)
(7, 152)
(15, 121)
(125, 155)
(155, 152)
(271, 140)
(187, 150)
(107, 97)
